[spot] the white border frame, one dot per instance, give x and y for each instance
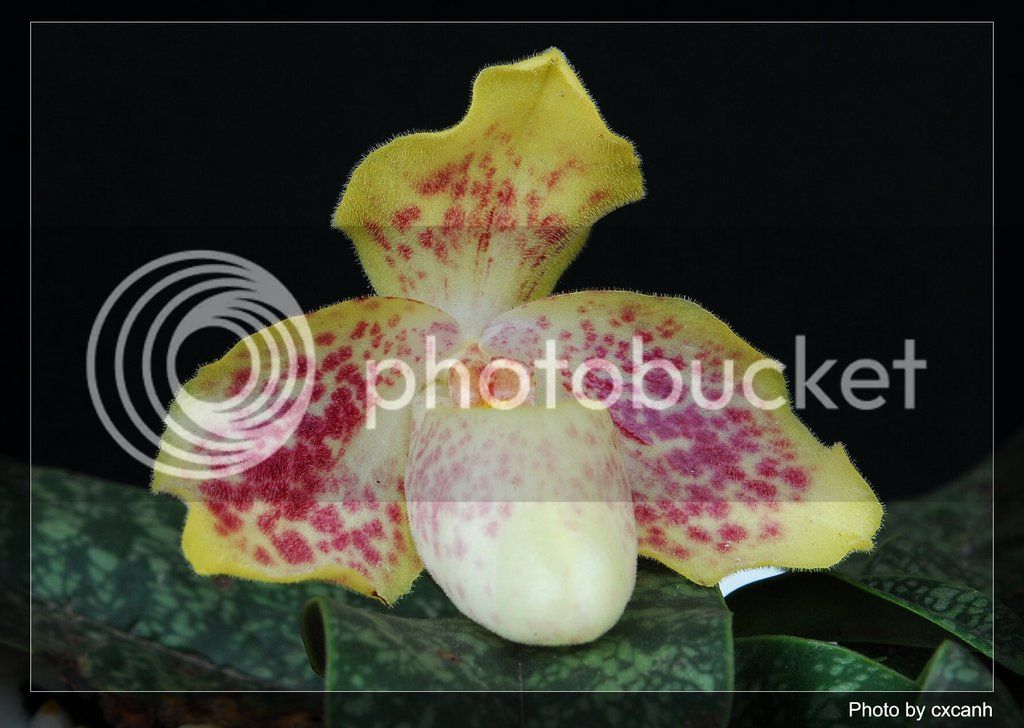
(32, 24)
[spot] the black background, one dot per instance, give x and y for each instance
(826, 180)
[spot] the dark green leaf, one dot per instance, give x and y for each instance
(906, 660)
(944, 536)
(1009, 520)
(673, 636)
(934, 557)
(952, 669)
(964, 612)
(794, 664)
(820, 606)
(117, 606)
(357, 649)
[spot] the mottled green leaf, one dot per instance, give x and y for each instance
(1009, 520)
(793, 664)
(945, 535)
(356, 649)
(940, 537)
(820, 606)
(963, 611)
(673, 636)
(116, 604)
(934, 557)
(904, 659)
(952, 669)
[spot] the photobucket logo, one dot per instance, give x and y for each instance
(172, 298)
(506, 383)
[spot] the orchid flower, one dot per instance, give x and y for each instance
(530, 517)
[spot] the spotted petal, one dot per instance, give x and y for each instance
(487, 214)
(524, 519)
(310, 492)
(715, 490)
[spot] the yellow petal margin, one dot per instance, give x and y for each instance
(272, 452)
(716, 489)
(486, 215)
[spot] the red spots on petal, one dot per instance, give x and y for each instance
(374, 529)
(292, 547)
(377, 233)
(761, 488)
(795, 478)
(295, 496)
(732, 532)
(326, 520)
(698, 534)
(459, 550)
(298, 505)
(644, 514)
(680, 552)
(655, 536)
(739, 416)
(361, 541)
(454, 219)
(552, 230)
(266, 521)
(239, 378)
(336, 358)
(451, 177)
(718, 510)
(426, 239)
(227, 520)
(506, 195)
(767, 468)
(221, 494)
(733, 473)
(552, 178)
(405, 217)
